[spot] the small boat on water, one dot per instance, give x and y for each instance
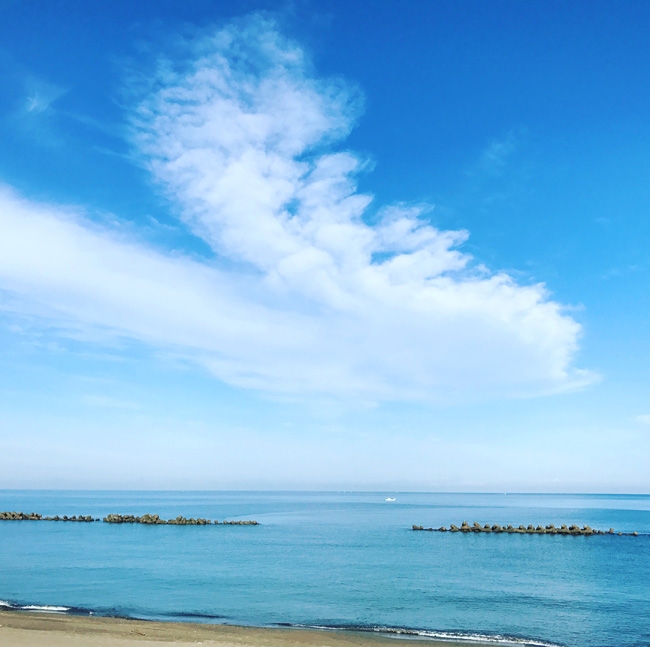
(390, 498)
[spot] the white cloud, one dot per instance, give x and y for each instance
(316, 302)
(644, 419)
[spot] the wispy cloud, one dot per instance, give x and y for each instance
(643, 419)
(40, 94)
(241, 135)
(109, 402)
(495, 157)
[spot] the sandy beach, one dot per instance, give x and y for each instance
(22, 629)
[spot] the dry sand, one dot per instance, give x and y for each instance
(24, 629)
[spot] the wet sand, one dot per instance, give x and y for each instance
(25, 629)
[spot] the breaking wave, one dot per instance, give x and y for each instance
(428, 634)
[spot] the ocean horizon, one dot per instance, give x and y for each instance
(340, 560)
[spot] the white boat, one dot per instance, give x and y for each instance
(390, 498)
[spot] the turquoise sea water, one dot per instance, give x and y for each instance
(341, 560)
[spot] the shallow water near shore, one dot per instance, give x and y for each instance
(341, 560)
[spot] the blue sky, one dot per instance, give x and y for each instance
(316, 246)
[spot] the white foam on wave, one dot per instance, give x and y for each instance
(469, 638)
(4, 603)
(45, 608)
(480, 638)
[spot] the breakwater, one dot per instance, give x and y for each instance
(529, 530)
(33, 516)
(154, 519)
(147, 519)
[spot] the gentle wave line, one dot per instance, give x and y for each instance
(44, 608)
(458, 636)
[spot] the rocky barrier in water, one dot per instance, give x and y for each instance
(528, 530)
(149, 519)
(32, 516)
(154, 519)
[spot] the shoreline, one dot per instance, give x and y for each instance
(42, 629)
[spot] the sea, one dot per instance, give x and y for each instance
(341, 561)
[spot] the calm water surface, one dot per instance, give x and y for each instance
(341, 560)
